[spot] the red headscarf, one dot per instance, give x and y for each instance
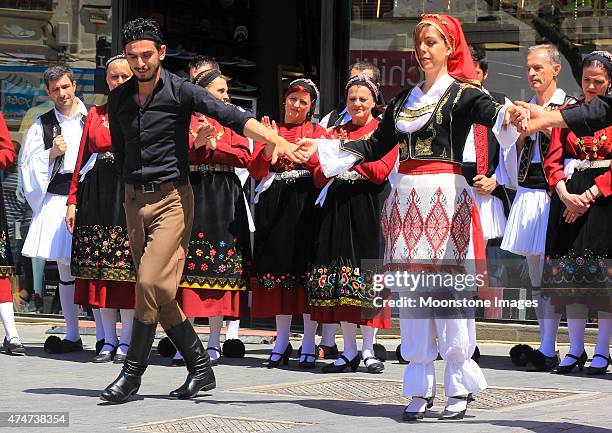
(460, 64)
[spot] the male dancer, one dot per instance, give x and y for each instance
(525, 232)
(149, 119)
(49, 156)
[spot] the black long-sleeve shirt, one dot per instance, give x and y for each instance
(585, 119)
(150, 143)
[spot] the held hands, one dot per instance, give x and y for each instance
(59, 147)
(575, 205)
(206, 135)
(484, 185)
(70, 216)
(537, 118)
(518, 116)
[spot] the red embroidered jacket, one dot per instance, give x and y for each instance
(259, 166)
(565, 144)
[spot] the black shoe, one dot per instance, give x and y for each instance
(374, 367)
(327, 352)
(415, 416)
(593, 371)
(99, 345)
(105, 357)
(542, 362)
(451, 415)
(566, 369)
(284, 357)
(72, 346)
(333, 368)
(120, 357)
(233, 348)
(214, 362)
(398, 355)
(201, 376)
(53, 344)
(306, 364)
(380, 352)
(13, 347)
(519, 354)
(134, 366)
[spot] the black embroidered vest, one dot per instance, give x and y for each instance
(531, 175)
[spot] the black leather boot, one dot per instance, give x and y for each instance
(201, 376)
(134, 366)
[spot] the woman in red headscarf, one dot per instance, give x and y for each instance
(347, 240)
(430, 222)
(283, 220)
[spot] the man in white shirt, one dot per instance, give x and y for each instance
(525, 232)
(49, 157)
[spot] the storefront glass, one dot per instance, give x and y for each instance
(33, 35)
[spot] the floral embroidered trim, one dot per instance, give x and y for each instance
(591, 269)
(286, 281)
(340, 284)
(102, 253)
(106, 274)
(214, 264)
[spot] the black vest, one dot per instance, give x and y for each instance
(531, 175)
(431, 141)
(60, 182)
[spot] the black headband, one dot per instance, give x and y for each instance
(150, 36)
(364, 80)
(601, 58)
(112, 59)
(204, 78)
(308, 85)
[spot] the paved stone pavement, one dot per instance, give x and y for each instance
(250, 398)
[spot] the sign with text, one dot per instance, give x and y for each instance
(399, 70)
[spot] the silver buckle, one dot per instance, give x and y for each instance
(144, 188)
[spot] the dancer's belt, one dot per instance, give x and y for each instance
(60, 184)
(150, 187)
(586, 164)
(350, 176)
(106, 156)
(292, 175)
(208, 168)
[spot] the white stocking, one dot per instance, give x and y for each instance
(283, 328)
(215, 323)
(328, 334)
(231, 332)
(98, 321)
(109, 321)
(69, 308)
(127, 320)
(367, 347)
(548, 321)
(349, 334)
(8, 320)
(603, 338)
(308, 340)
(576, 323)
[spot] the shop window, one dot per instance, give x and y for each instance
(35, 34)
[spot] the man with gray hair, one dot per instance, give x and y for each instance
(525, 232)
(49, 156)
